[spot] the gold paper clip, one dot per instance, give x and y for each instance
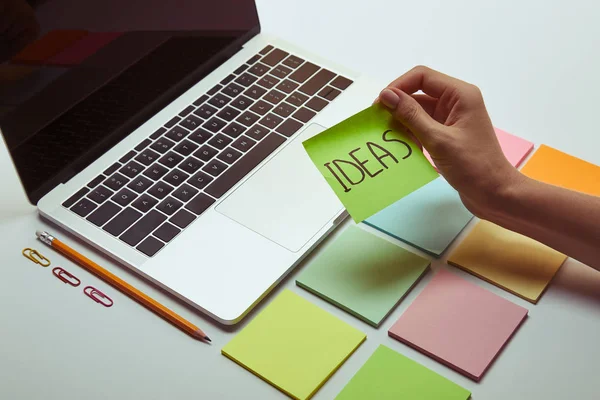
(36, 257)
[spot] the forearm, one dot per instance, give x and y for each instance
(565, 220)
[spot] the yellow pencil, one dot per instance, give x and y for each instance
(123, 286)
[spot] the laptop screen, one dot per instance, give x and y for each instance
(76, 77)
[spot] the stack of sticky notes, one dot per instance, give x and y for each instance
(459, 324)
(294, 345)
(363, 274)
(388, 375)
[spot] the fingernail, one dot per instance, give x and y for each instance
(389, 98)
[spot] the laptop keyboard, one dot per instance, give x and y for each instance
(160, 187)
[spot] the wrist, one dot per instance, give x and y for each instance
(506, 196)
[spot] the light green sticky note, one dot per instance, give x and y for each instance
(294, 345)
(369, 161)
(363, 274)
(388, 375)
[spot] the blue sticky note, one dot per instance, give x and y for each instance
(429, 218)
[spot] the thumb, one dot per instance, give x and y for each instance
(409, 113)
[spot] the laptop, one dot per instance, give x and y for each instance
(169, 137)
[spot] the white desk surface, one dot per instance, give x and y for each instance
(537, 64)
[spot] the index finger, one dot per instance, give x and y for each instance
(427, 80)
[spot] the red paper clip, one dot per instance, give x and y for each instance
(98, 296)
(66, 277)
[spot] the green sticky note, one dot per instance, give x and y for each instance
(294, 345)
(363, 274)
(369, 161)
(388, 375)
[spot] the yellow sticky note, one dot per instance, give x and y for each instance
(507, 259)
(560, 169)
(294, 345)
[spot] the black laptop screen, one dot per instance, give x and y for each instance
(76, 77)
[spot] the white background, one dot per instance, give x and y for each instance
(537, 64)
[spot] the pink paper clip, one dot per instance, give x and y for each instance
(98, 296)
(66, 277)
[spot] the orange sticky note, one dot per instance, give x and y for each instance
(48, 46)
(560, 169)
(514, 262)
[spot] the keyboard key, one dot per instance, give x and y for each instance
(261, 107)
(243, 144)
(83, 207)
(241, 102)
(150, 246)
(182, 218)
(205, 153)
(214, 124)
(258, 69)
(317, 104)
(341, 83)
(289, 127)
(104, 213)
(266, 50)
(274, 57)
(96, 181)
(234, 130)
(191, 165)
(169, 205)
(227, 79)
(162, 145)
(293, 62)
(329, 93)
(143, 228)
(158, 133)
(116, 181)
(176, 177)
(177, 132)
(246, 164)
(172, 122)
(184, 113)
(100, 194)
(200, 203)
(233, 90)
(200, 100)
(254, 59)
(219, 100)
(140, 184)
(229, 155)
(257, 132)
(304, 72)
(255, 92)
(143, 145)
(214, 90)
(132, 169)
(160, 190)
(274, 96)
(186, 148)
(280, 71)
(122, 221)
(185, 193)
(124, 197)
(200, 135)
(284, 110)
(287, 86)
(246, 79)
(129, 155)
(297, 99)
(191, 122)
(220, 141)
(144, 203)
(206, 111)
(200, 180)
(147, 157)
(166, 232)
(228, 113)
(215, 167)
(304, 114)
(314, 84)
(113, 168)
(248, 118)
(268, 81)
(170, 160)
(271, 121)
(155, 172)
(241, 69)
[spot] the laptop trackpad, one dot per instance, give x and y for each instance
(287, 200)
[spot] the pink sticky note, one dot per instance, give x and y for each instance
(515, 148)
(458, 324)
(83, 48)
